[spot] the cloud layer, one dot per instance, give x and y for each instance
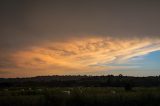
(25, 23)
(61, 37)
(79, 55)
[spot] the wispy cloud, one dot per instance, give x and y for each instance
(80, 55)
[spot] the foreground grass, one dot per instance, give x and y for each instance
(81, 96)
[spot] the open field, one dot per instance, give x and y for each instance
(79, 96)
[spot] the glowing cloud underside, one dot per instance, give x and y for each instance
(81, 55)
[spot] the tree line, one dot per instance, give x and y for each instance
(81, 81)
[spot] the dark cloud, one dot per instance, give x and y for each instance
(29, 22)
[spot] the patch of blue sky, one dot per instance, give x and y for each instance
(146, 65)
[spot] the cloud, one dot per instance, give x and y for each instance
(69, 36)
(27, 23)
(82, 55)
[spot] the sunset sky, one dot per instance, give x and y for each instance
(79, 37)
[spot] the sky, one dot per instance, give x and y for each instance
(79, 37)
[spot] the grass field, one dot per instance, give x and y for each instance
(80, 96)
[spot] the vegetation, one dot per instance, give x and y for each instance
(80, 91)
(79, 81)
(79, 96)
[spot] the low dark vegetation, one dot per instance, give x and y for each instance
(82, 81)
(80, 91)
(81, 96)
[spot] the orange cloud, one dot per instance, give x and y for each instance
(82, 55)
